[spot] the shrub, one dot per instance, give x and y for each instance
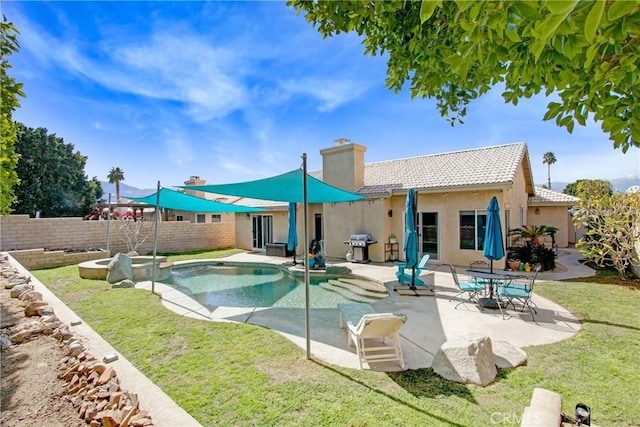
(544, 256)
(533, 254)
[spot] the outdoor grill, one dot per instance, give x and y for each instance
(359, 243)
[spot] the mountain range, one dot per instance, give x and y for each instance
(125, 190)
(618, 184)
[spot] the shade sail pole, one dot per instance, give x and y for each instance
(155, 241)
(108, 224)
(306, 256)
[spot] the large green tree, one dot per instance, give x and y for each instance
(52, 178)
(613, 230)
(589, 189)
(10, 90)
(584, 51)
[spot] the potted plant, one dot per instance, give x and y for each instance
(392, 238)
(514, 264)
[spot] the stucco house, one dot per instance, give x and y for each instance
(454, 189)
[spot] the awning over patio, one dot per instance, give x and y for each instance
(171, 199)
(287, 187)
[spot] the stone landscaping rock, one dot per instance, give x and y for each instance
(31, 296)
(92, 388)
(124, 284)
(5, 343)
(75, 348)
(34, 308)
(120, 268)
(506, 355)
(18, 290)
(467, 359)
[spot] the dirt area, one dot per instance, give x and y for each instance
(31, 394)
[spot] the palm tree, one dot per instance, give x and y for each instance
(116, 175)
(534, 232)
(548, 159)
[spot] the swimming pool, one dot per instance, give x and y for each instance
(214, 285)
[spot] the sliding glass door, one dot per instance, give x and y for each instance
(262, 231)
(429, 234)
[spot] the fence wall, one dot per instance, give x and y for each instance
(18, 232)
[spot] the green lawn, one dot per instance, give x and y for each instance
(238, 374)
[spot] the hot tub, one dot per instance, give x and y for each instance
(98, 269)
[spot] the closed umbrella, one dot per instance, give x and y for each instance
(493, 248)
(292, 240)
(410, 235)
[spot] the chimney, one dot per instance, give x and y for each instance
(195, 180)
(343, 164)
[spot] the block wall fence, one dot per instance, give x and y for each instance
(19, 233)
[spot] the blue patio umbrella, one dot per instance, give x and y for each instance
(493, 248)
(292, 239)
(410, 235)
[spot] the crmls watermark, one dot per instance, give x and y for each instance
(512, 418)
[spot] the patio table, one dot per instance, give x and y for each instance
(503, 276)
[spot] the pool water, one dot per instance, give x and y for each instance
(250, 286)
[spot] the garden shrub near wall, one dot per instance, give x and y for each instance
(533, 254)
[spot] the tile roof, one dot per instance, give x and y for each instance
(488, 167)
(549, 197)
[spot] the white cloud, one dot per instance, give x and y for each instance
(178, 150)
(332, 92)
(176, 68)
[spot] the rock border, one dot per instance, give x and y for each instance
(92, 387)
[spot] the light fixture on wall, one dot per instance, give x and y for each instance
(537, 211)
(390, 213)
(248, 216)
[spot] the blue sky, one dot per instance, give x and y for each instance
(235, 91)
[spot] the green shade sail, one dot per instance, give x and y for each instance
(171, 199)
(287, 187)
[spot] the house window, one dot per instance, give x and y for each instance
(472, 229)
(200, 219)
(216, 218)
(179, 218)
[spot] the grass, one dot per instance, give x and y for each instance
(218, 253)
(238, 374)
(608, 276)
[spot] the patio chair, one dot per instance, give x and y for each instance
(370, 332)
(521, 292)
(472, 289)
(406, 276)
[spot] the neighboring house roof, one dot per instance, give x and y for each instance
(265, 204)
(480, 168)
(246, 201)
(544, 197)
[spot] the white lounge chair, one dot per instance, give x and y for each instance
(368, 331)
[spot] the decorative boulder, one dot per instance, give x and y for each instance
(120, 268)
(506, 355)
(467, 359)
